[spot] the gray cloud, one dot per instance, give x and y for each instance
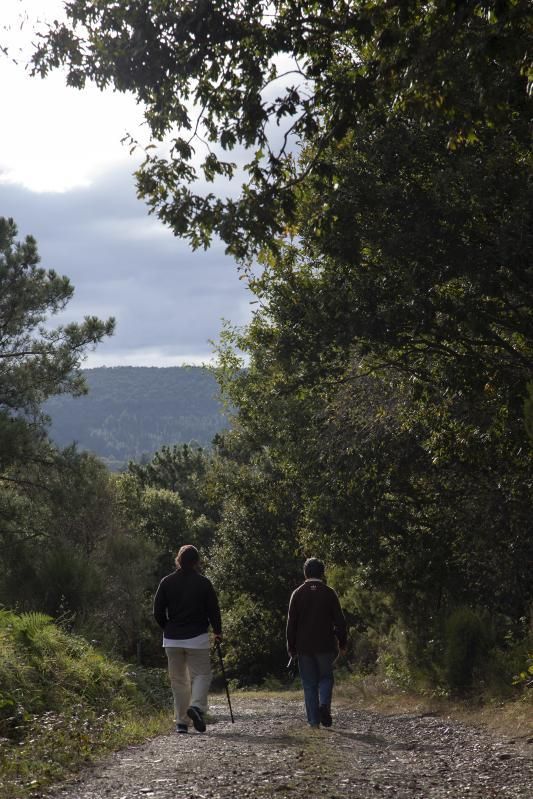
(168, 301)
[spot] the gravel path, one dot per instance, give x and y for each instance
(270, 752)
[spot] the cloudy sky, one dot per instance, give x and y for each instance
(66, 178)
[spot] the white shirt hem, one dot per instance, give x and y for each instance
(198, 642)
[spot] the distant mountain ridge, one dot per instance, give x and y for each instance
(131, 411)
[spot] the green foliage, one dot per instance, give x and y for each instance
(467, 640)
(167, 501)
(69, 548)
(525, 677)
(370, 615)
(394, 663)
(42, 491)
(157, 513)
(379, 419)
(528, 412)
(254, 638)
(179, 469)
(36, 361)
(464, 65)
(61, 702)
(253, 560)
(121, 620)
(391, 346)
(65, 502)
(44, 669)
(429, 244)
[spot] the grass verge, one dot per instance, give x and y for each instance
(512, 717)
(62, 703)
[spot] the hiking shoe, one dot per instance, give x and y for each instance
(325, 716)
(182, 728)
(196, 716)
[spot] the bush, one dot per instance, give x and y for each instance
(254, 642)
(62, 702)
(467, 641)
(371, 619)
(525, 677)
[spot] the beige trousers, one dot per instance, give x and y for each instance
(190, 677)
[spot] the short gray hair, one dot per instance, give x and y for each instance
(313, 567)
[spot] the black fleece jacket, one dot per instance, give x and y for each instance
(186, 604)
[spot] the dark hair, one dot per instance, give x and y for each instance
(187, 557)
(314, 568)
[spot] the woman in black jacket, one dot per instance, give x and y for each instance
(185, 605)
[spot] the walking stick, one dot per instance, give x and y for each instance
(219, 650)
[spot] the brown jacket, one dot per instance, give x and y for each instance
(315, 622)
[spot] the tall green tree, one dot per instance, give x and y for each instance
(388, 362)
(47, 499)
(254, 560)
(36, 360)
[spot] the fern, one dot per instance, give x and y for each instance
(7, 618)
(525, 678)
(27, 626)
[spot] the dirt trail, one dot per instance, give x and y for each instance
(269, 752)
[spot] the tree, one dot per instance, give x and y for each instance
(264, 76)
(72, 545)
(254, 560)
(57, 512)
(47, 499)
(388, 360)
(425, 494)
(158, 516)
(35, 361)
(180, 469)
(171, 500)
(392, 343)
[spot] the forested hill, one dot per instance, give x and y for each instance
(132, 411)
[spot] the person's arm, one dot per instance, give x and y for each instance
(292, 618)
(160, 606)
(213, 612)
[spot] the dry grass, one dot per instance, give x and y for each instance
(512, 717)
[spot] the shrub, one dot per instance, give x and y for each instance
(254, 641)
(62, 702)
(467, 641)
(525, 677)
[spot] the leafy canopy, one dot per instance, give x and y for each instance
(217, 77)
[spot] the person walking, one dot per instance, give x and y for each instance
(316, 630)
(185, 604)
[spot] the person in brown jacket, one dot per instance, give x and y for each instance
(316, 630)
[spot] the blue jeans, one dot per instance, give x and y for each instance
(316, 672)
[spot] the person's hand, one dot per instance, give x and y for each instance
(218, 638)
